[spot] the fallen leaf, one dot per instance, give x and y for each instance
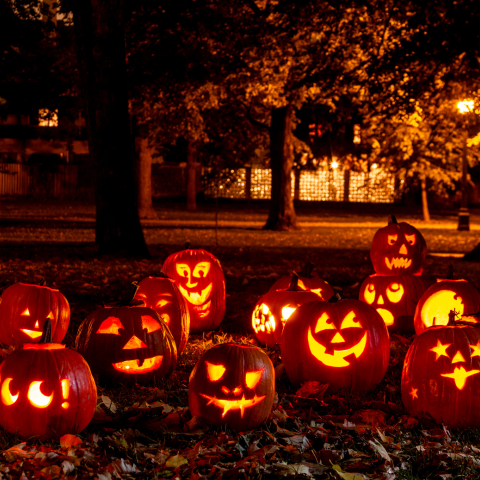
(347, 475)
(68, 441)
(175, 461)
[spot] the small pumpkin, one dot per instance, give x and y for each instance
(344, 343)
(441, 374)
(398, 249)
(23, 310)
(199, 277)
(232, 385)
(162, 295)
(46, 390)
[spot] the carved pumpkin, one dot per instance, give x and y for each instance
(162, 295)
(395, 298)
(398, 249)
(343, 343)
(46, 391)
(436, 303)
(441, 375)
(306, 281)
(131, 344)
(199, 277)
(274, 309)
(232, 385)
(23, 310)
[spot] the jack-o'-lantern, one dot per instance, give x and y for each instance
(344, 343)
(46, 391)
(199, 277)
(398, 249)
(131, 344)
(435, 304)
(395, 298)
(162, 295)
(274, 309)
(232, 385)
(441, 374)
(23, 310)
(306, 281)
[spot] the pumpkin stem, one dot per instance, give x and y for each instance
(187, 246)
(43, 282)
(335, 298)
(46, 332)
(392, 219)
(293, 287)
(307, 270)
(450, 272)
(451, 318)
(128, 299)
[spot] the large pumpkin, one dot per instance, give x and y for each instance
(398, 249)
(343, 343)
(199, 276)
(274, 309)
(395, 298)
(435, 304)
(46, 391)
(232, 385)
(441, 375)
(162, 295)
(24, 309)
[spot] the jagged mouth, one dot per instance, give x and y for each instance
(197, 298)
(228, 405)
(31, 333)
(133, 366)
(387, 316)
(396, 262)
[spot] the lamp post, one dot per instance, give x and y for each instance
(465, 106)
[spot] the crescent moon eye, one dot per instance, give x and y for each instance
(36, 397)
(7, 397)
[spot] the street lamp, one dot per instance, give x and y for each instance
(465, 106)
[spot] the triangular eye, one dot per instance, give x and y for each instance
(150, 324)
(252, 378)
(215, 372)
(349, 321)
(26, 312)
(110, 325)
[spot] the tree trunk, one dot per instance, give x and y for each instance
(426, 213)
(144, 179)
(191, 176)
(282, 212)
(99, 30)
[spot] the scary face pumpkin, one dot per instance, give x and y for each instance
(344, 344)
(398, 249)
(441, 375)
(162, 295)
(128, 344)
(436, 303)
(24, 309)
(199, 277)
(232, 385)
(395, 298)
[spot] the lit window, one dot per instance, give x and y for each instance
(47, 118)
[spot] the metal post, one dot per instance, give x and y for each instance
(463, 214)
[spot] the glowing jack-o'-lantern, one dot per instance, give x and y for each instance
(306, 281)
(232, 385)
(395, 298)
(199, 277)
(441, 374)
(23, 310)
(46, 390)
(131, 344)
(398, 249)
(435, 304)
(343, 343)
(274, 309)
(162, 295)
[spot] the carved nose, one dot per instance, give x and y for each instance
(380, 300)
(403, 250)
(338, 338)
(134, 343)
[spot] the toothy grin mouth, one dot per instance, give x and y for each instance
(133, 366)
(401, 262)
(234, 404)
(194, 297)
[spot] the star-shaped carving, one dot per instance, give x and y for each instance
(413, 393)
(475, 350)
(440, 349)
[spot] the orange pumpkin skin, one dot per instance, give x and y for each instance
(438, 300)
(23, 310)
(318, 286)
(64, 381)
(344, 344)
(398, 249)
(395, 298)
(199, 277)
(127, 344)
(162, 295)
(232, 385)
(441, 375)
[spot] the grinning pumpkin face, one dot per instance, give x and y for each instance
(395, 298)
(131, 344)
(232, 384)
(24, 309)
(441, 375)
(344, 344)
(199, 277)
(398, 249)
